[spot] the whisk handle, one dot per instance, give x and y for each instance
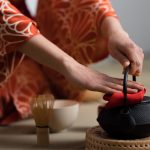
(42, 136)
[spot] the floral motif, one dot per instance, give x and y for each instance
(78, 22)
(15, 28)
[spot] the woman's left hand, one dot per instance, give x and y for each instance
(123, 49)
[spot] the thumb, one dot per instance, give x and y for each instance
(125, 63)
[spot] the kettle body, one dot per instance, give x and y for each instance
(127, 123)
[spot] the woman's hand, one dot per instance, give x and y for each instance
(121, 47)
(96, 81)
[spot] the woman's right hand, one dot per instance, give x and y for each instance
(93, 80)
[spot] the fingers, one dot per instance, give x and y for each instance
(112, 85)
(135, 56)
(127, 53)
(107, 90)
(111, 88)
(130, 84)
(120, 88)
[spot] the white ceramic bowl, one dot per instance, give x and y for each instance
(63, 115)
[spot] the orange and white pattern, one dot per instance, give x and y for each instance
(15, 29)
(73, 25)
(19, 89)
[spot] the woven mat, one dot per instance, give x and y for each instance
(97, 139)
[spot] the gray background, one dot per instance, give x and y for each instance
(134, 16)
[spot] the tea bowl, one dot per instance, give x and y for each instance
(63, 114)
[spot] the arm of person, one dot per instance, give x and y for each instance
(46, 53)
(120, 46)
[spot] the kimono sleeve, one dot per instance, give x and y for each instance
(15, 29)
(104, 9)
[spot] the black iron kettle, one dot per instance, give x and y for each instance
(127, 122)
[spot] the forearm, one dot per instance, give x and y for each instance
(46, 53)
(109, 26)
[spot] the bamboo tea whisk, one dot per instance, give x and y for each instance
(40, 109)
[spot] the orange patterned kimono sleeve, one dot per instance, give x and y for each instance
(105, 9)
(15, 29)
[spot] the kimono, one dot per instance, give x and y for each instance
(73, 25)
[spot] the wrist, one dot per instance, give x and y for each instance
(111, 26)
